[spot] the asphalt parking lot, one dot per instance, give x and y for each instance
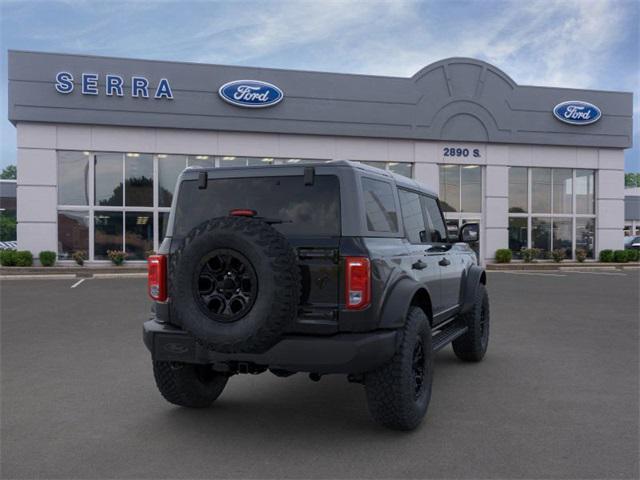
(556, 397)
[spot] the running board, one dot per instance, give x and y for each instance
(448, 334)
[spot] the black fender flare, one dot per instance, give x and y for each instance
(475, 277)
(398, 300)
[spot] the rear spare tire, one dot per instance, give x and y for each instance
(235, 284)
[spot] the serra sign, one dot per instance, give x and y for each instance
(113, 85)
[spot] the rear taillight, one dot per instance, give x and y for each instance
(358, 282)
(157, 277)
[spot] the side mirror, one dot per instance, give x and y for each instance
(469, 233)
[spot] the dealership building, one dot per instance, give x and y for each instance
(102, 140)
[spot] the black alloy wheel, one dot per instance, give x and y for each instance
(227, 285)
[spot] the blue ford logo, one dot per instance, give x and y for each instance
(576, 112)
(250, 93)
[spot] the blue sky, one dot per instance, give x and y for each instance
(569, 43)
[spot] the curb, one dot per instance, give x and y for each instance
(80, 272)
(561, 266)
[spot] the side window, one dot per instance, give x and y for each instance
(412, 216)
(379, 206)
(437, 228)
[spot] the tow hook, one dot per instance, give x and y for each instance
(315, 377)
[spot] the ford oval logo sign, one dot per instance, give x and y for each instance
(577, 112)
(250, 93)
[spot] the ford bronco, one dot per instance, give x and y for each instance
(324, 268)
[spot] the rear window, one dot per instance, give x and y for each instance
(303, 209)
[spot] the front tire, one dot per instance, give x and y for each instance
(398, 394)
(187, 384)
(472, 346)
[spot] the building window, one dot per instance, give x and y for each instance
(551, 209)
(108, 173)
(518, 190)
(518, 235)
(169, 167)
(138, 174)
(108, 233)
(138, 234)
(121, 200)
(461, 188)
(73, 178)
(404, 169)
(73, 232)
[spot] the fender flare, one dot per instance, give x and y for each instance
(475, 277)
(395, 308)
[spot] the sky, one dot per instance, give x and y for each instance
(565, 43)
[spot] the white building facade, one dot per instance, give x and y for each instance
(96, 171)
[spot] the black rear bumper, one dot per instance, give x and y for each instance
(340, 353)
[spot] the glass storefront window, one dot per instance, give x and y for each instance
(138, 174)
(586, 234)
(518, 190)
(405, 169)
(450, 188)
(259, 161)
(107, 233)
(562, 235)
(562, 190)
(138, 234)
(585, 192)
(517, 235)
(380, 165)
(541, 235)
(73, 178)
(108, 179)
(200, 161)
(73, 233)
(541, 190)
(169, 167)
(471, 188)
(233, 161)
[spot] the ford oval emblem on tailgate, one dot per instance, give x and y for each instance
(250, 93)
(577, 112)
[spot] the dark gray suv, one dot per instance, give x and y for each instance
(322, 268)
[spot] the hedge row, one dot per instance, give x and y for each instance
(24, 258)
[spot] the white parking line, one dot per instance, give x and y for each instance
(78, 283)
(531, 273)
(599, 273)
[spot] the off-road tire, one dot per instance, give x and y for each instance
(391, 391)
(278, 284)
(188, 385)
(472, 346)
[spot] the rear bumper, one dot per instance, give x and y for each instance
(341, 353)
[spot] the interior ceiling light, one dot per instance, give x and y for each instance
(133, 154)
(228, 158)
(202, 157)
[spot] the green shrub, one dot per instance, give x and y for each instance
(24, 258)
(503, 255)
(117, 256)
(620, 256)
(558, 255)
(47, 258)
(529, 254)
(79, 256)
(581, 254)
(633, 255)
(7, 258)
(606, 256)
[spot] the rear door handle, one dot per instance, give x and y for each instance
(419, 265)
(444, 262)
